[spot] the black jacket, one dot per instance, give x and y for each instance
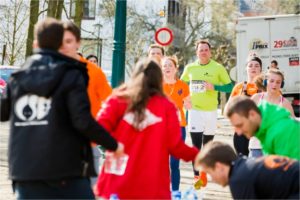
(269, 177)
(51, 125)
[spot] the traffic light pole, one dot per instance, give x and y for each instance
(118, 62)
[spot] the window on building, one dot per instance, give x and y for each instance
(173, 11)
(89, 9)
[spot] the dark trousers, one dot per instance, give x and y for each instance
(174, 162)
(199, 140)
(79, 188)
(241, 144)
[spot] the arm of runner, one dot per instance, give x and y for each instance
(185, 75)
(226, 84)
(224, 88)
(176, 145)
(286, 104)
(256, 97)
(187, 103)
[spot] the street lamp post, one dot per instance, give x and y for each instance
(99, 43)
(118, 64)
(100, 52)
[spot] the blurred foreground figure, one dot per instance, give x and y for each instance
(269, 177)
(51, 126)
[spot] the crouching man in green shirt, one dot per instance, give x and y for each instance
(277, 131)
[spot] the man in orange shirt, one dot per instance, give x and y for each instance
(98, 88)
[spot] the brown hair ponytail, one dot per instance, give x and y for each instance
(145, 82)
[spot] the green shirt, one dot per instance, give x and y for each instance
(278, 133)
(195, 74)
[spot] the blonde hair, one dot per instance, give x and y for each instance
(275, 71)
(259, 82)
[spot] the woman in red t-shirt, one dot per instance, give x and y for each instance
(139, 115)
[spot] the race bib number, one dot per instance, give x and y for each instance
(197, 86)
(113, 165)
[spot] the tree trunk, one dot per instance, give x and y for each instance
(59, 9)
(78, 13)
(33, 18)
(51, 8)
(55, 8)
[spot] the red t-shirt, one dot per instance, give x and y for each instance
(147, 174)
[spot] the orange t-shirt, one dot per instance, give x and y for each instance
(237, 90)
(177, 92)
(98, 88)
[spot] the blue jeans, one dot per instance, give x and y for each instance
(175, 173)
(76, 188)
(255, 153)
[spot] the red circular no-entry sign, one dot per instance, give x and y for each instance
(164, 36)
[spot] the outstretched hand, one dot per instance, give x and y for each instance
(120, 150)
(209, 86)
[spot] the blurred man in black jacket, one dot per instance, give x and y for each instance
(51, 125)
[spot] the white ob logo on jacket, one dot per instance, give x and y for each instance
(31, 110)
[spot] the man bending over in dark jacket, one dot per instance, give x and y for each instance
(51, 126)
(269, 177)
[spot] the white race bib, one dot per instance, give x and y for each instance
(113, 165)
(197, 86)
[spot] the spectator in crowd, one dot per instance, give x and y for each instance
(274, 64)
(92, 58)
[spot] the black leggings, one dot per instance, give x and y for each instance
(199, 140)
(241, 144)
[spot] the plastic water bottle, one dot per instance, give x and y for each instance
(114, 197)
(190, 194)
(176, 195)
